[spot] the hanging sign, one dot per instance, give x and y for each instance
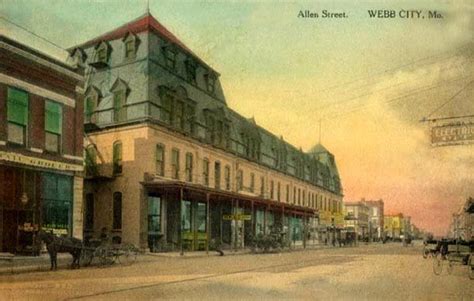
(452, 134)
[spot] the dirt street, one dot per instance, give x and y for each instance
(374, 272)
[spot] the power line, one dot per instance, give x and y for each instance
(390, 100)
(451, 98)
(31, 32)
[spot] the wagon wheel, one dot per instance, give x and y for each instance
(470, 266)
(450, 267)
(130, 253)
(438, 264)
(86, 257)
(105, 255)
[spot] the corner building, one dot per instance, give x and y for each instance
(170, 166)
(41, 146)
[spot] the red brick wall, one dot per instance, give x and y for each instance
(3, 112)
(79, 129)
(68, 130)
(36, 123)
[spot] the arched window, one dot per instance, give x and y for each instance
(117, 158)
(117, 211)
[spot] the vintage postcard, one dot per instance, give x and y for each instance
(236, 149)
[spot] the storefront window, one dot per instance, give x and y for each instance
(154, 215)
(259, 221)
(186, 216)
(89, 212)
(201, 217)
(57, 201)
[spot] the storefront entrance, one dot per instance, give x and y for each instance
(29, 201)
(194, 225)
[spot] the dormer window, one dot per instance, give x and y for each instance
(170, 56)
(191, 68)
(102, 53)
(78, 56)
(120, 91)
(210, 82)
(130, 44)
(90, 104)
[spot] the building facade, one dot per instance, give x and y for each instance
(462, 223)
(357, 219)
(171, 166)
(41, 146)
(376, 219)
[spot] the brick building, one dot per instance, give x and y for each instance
(41, 146)
(170, 165)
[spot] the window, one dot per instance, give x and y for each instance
(160, 160)
(154, 215)
(89, 108)
(210, 82)
(89, 212)
(252, 182)
(227, 177)
(271, 190)
(189, 114)
(102, 54)
(294, 195)
(117, 158)
(57, 203)
(178, 114)
(117, 211)
(287, 193)
(91, 161)
(130, 48)
(299, 196)
(304, 197)
(205, 172)
(17, 116)
(240, 179)
(175, 164)
(217, 175)
(262, 186)
(278, 192)
(53, 126)
(165, 112)
(170, 57)
(119, 106)
(189, 167)
(191, 68)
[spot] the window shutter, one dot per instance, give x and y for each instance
(53, 122)
(17, 106)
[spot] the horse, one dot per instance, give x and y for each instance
(56, 245)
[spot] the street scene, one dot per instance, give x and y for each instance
(367, 272)
(159, 149)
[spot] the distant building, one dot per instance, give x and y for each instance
(171, 166)
(376, 218)
(462, 222)
(393, 225)
(41, 146)
(357, 219)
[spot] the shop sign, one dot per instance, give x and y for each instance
(238, 217)
(32, 161)
(452, 134)
(56, 231)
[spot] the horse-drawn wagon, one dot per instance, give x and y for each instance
(454, 253)
(85, 252)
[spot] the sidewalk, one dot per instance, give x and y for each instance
(10, 264)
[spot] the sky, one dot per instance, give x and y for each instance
(369, 80)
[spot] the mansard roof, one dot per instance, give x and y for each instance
(144, 23)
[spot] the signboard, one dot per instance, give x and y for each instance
(32, 161)
(452, 134)
(238, 217)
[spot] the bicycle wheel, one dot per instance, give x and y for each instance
(438, 264)
(426, 252)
